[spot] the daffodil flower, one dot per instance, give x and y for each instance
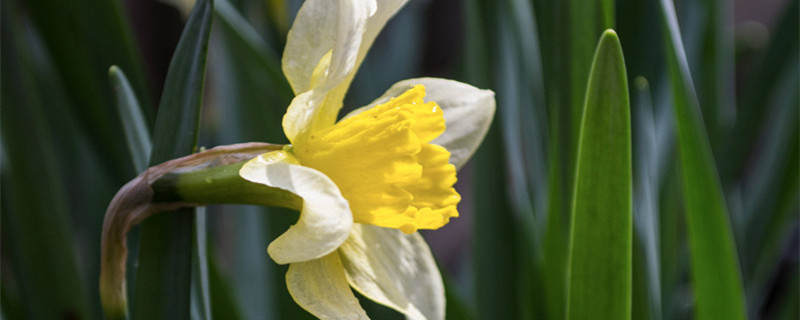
(363, 185)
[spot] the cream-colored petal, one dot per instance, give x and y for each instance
(324, 26)
(394, 269)
(468, 112)
(321, 52)
(300, 114)
(319, 286)
(325, 220)
(346, 28)
(327, 43)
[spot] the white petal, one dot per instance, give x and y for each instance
(347, 28)
(468, 112)
(325, 220)
(394, 269)
(320, 287)
(323, 26)
(344, 28)
(302, 111)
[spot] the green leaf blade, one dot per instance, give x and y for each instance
(83, 42)
(133, 120)
(715, 266)
(599, 272)
(41, 268)
(165, 259)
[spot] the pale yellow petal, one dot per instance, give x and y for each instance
(325, 220)
(394, 269)
(321, 53)
(319, 286)
(322, 27)
(328, 41)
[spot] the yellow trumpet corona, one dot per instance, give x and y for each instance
(385, 166)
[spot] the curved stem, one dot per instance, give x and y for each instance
(208, 177)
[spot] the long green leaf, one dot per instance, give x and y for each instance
(715, 266)
(139, 143)
(38, 240)
(256, 95)
(495, 245)
(164, 275)
(599, 273)
(673, 244)
(201, 295)
(254, 90)
(778, 57)
(511, 95)
(587, 20)
(568, 31)
(133, 121)
(84, 41)
(716, 65)
(224, 306)
(494, 249)
(772, 187)
(646, 219)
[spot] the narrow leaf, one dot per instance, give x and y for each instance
(715, 266)
(779, 56)
(600, 252)
(256, 94)
(84, 40)
(495, 242)
(38, 240)
(133, 121)
(495, 245)
(165, 256)
(224, 306)
(646, 219)
(587, 20)
(139, 143)
(201, 296)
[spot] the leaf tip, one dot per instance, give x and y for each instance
(609, 36)
(641, 83)
(113, 70)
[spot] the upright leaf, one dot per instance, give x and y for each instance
(201, 295)
(520, 89)
(569, 31)
(38, 239)
(133, 121)
(771, 193)
(255, 95)
(165, 257)
(495, 246)
(780, 55)
(646, 215)
(599, 273)
(84, 41)
(715, 267)
(137, 135)
(224, 306)
(587, 20)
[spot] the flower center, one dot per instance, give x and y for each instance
(385, 166)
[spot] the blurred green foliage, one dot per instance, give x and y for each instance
(713, 121)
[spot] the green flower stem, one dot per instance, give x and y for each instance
(220, 185)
